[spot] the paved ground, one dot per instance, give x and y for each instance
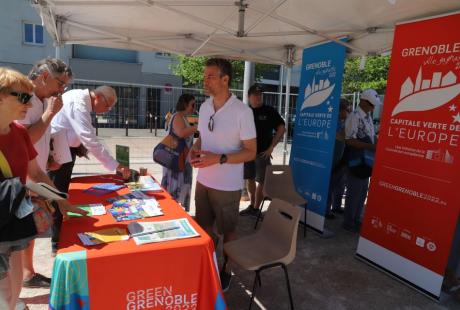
(324, 275)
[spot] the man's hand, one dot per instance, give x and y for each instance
(54, 105)
(124, 171)
(204, 159)
(52, 165)
(194, 154)
(268, 153)
(65, 207)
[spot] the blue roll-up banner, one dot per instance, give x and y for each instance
(315, 126)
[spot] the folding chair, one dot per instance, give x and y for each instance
(280, 184)
(273, 245)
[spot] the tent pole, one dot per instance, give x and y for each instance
(248, 74)
(280, 99)
(286, 111)
(289, 63)
(57, 50)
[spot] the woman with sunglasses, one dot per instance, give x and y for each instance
(179, 184)
(17, 159)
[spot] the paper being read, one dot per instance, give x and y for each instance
(61, 150)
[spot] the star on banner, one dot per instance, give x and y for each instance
(330, 109)
(453, 108)
(456, 118)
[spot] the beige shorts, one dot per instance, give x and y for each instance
(216, 205)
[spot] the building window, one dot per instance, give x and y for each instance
(33, 34)
(163, 54)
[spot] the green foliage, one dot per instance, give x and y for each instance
(374, 74)
(191, 70)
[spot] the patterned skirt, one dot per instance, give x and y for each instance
(179, 184)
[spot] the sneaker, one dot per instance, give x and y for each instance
(37, 280)
(250, 210)
(330, 216)
(225, 279)
(338, 211)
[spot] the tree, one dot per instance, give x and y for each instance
(191, 70)
(374, 74)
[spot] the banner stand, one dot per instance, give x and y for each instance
(401, 279)
(317, 112)
(412, 205)
(325, 233)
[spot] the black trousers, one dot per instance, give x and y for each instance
(61, 179)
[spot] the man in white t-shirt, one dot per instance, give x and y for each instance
(73, 125)
(50, 77)
(227, 140)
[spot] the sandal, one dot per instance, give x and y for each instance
(37, 280)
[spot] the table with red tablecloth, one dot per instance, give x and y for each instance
(177, 274)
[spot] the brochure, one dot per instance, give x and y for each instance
(93, 209)
(148, 184)
(145, 184)
(133, 209)
(46, 191)
(132, 195)
(60, 147)
(103, 236)
(111, 187)
(103, 189)
(148, 232)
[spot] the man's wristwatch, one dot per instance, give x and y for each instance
(223, 159)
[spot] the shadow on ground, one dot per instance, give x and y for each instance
(326, 275)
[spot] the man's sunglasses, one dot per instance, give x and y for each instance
(211, 123)
(24, 98)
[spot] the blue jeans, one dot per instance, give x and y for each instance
(354, 202)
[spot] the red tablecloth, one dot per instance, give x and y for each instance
(179, 274)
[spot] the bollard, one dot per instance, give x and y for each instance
(156, 125)
(151, 122)
(126, 126)
(96, 125)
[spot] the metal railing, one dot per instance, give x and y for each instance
(142, 106)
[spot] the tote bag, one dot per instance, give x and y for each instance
(172, 151)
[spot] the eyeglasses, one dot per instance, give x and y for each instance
(61, 83)
(23, 98)
(211, 123)
(210, 76)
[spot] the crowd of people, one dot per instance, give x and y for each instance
(37, 113)
(43, 128)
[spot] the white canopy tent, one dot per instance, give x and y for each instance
(265, 31)
(253, 30)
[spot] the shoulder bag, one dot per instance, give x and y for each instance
(40, 211)
(360, 161)
(172, 151)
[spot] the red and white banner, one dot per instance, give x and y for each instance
(414, 197)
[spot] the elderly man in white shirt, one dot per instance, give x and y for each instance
(359, 135)
(73, 125)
